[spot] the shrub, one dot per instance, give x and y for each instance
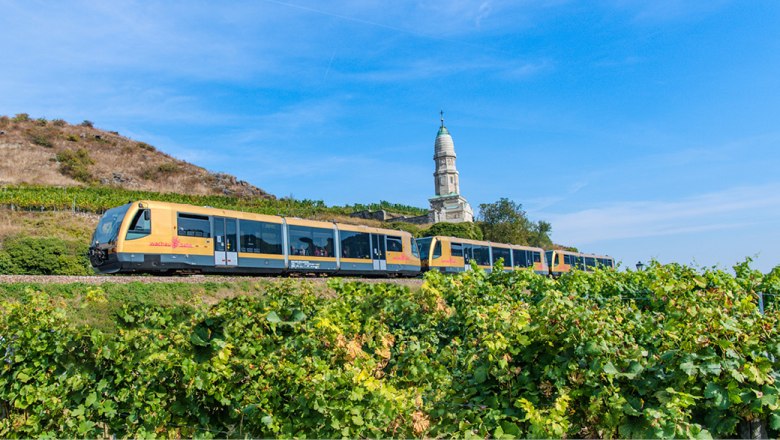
(408, 227)
(72, 138)
(4, 120)
(75, 163)
(59, 123)
(21, 117)
(41, 121)
(88, 123)
(155, 172)
(6, 263)
(40, 138)
(44, 256)
(145, 146)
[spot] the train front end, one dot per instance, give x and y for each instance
(103, 247)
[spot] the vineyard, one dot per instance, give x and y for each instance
(670, 351)
(100, 199)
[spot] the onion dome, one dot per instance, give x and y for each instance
(444, 145)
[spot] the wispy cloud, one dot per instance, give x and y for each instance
(723, 210)
(666, 10)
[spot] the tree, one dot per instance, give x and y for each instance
(540, 235)
(505, 222)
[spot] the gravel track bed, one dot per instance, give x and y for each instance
(193, 279)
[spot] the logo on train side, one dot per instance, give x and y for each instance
(304, 265)
(175, 243)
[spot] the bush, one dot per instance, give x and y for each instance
(88, 123)
(75, 163)
(408, 227)
(44, 256)
(59, 123)
(72, 138)
(155, 172)
(145, 146)
(21, 117)
(41, 121)
(462, 230)
(40, 138)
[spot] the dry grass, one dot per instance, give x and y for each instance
(119, 161)
(64, 225)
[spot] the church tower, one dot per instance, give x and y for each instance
(447, 205)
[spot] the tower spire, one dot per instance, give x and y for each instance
(441, 112)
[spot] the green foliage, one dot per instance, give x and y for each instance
(87, 123)
(462, 230)
(665, 352)
(505, 222)
(44, 256)
(40, 138)
(72, 138)
(21, 117)
(396, 208)
(59, 123)
(100, 199)
(75, 163)
(159, 171)
(401, 226)
(145, 146)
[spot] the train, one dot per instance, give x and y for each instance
(156, 237)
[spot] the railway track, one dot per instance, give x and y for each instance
(192, 279)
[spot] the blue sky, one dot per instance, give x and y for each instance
(641, 129)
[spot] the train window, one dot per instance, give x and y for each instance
(567, 259)
(193, 225)
(141, 226)
(260, 237)
(311, 242)
(424, 245)
(355, 245)
(482, 255)
(521, 258)
(590, 261)
(394, 244)
(415, 250)
(502, 253)
(456, 249)
(437, 250)
(537, 257)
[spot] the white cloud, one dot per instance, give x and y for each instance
(718, 211)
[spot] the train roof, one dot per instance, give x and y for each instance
(580, 254)
(295, 221)
(488, 243)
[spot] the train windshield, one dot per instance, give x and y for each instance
(108, 227)
(424, 245)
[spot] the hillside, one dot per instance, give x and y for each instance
(56, 153)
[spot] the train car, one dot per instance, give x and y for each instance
(161, 237)
(561, 261)
(450, 255)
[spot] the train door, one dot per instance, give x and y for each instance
(378, 254)
(467, 256)
(225, 242)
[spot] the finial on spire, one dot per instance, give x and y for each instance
(441, 112)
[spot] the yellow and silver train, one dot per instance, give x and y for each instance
(159, 237)
(450, 255)
(561, 261)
